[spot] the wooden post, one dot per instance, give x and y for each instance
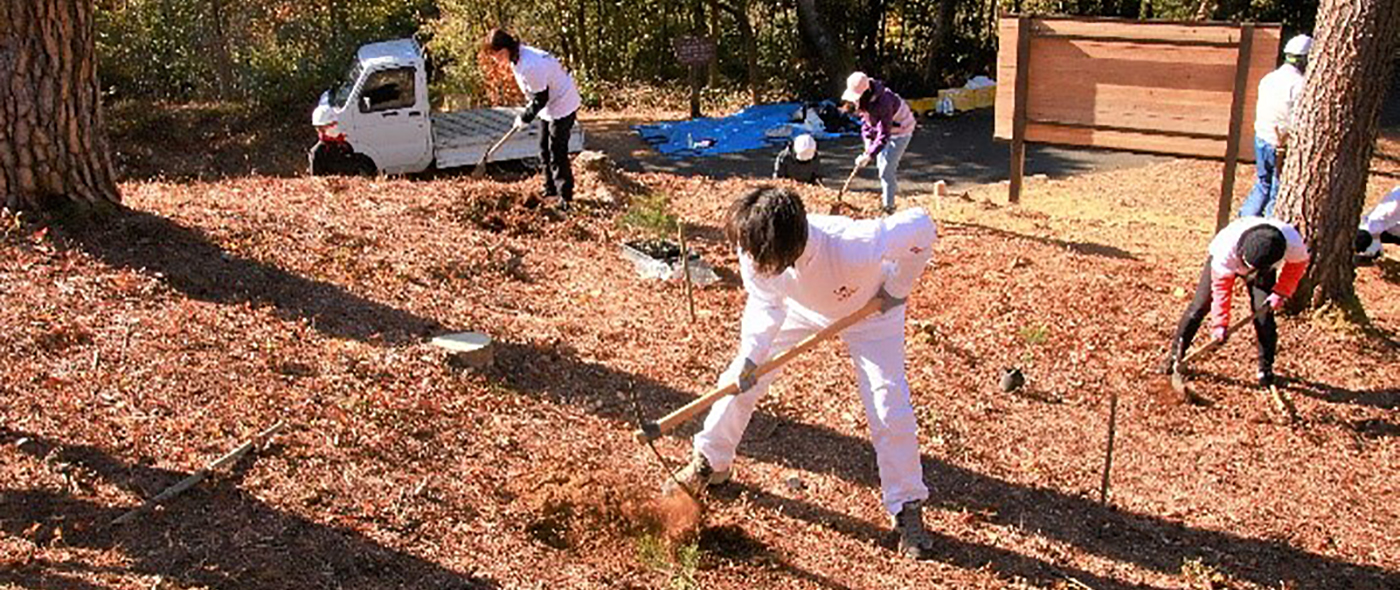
(1018, 114)
(694, 91)
(1108, 447)
(685, 270)
(1227, 184)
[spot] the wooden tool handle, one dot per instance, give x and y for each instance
(653, 430)
(1214, 344)
(847, 184)
(481, 166)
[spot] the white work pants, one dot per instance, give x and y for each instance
(876, 346)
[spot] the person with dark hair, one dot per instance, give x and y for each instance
(553, 97)
(1271, 257)
(887, 126)
(802, 273)
(799, 161)
(1381, 226)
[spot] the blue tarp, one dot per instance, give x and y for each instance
(746, 130)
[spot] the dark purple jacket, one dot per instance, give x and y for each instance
(883, 114)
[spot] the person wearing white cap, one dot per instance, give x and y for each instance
(887, 125)
(1381, 226)
(1278, 90)
(799, 161)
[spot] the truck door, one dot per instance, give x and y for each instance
(392, 127)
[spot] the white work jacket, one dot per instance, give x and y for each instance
(841, 269)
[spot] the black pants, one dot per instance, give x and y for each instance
(554, 156)
(1260, 287)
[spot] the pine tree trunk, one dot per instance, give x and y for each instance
(835, 62)
(52, 148)
(1335, 120)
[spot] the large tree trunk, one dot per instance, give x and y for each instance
(942, 33)
(739, 9)
(817, 37)
(52, 149)
(1323, 184)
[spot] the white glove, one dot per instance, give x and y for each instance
(862, 160)
(519, 123)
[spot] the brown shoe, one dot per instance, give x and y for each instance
(695, 476)
(914, 540)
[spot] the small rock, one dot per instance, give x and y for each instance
(1179, 293)
(1012, 379)
(794, 482)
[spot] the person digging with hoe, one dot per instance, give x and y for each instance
(802, 273)
(1271, 258)
(887, 126)
(553, 98)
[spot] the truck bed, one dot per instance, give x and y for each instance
(460, 138)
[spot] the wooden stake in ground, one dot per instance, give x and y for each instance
(685, 270)
(1108, 448)
(198, 476)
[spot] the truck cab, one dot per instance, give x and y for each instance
(378, 120)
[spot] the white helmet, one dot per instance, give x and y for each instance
(1299, 45)
(856, 85)
(804, 147)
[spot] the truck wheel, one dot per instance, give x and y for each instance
(362, 165)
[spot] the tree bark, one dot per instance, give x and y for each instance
(943, 31)
(834, 60)
(739, 9)
(52, 148)
(1323, 183)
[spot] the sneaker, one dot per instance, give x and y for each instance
(888, 210)
(696, 476)
(914, 541)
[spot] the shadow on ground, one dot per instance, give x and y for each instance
(214, 536)
(958, 150)
(1150, 542)
(189, 262)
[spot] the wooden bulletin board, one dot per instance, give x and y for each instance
(1176, 88)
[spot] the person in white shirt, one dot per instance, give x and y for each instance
(1278, 91)
(1382, 225)
(553, 97)
(803, 273)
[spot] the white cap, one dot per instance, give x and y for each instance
(1299, 45)
(856, 85)
(804, 147)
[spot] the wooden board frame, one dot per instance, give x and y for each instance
(1177, 88)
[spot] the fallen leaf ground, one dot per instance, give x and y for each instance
(140, 347)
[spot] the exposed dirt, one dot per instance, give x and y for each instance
(139, 348)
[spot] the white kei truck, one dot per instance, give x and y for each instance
(378, 121)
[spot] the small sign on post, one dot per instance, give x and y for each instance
(696, 52)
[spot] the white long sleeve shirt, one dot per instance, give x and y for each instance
(537, 70)
(1224, 260)
(1385, 217)
(1278, 91)
(842, 267)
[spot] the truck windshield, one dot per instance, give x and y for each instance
(341, 92)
